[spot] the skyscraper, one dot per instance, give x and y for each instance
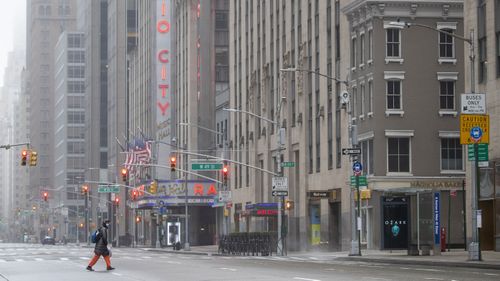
(46, 20)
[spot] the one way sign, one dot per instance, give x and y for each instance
(351, 151)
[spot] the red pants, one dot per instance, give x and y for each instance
(96, 258)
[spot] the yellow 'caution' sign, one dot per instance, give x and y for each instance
(470, 121)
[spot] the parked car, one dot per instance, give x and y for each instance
(47, 240)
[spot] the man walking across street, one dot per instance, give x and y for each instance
(101, 247)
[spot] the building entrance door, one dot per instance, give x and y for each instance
(487, 234)
(334, 233)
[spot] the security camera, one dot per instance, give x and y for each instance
(344, 97)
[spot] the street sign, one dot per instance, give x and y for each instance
(108, 189)
(476, 134)
(206, 166)
(280, 184)
(351, 151)
(224, 196)
(357, 167)
(318, 194)
(362, 181)
(468, 134)
(279, 193)
(287, 164)
(473, 103)
(482, 150)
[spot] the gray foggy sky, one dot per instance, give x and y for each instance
(12, 28)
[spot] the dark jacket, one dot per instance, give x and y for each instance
(101, 246)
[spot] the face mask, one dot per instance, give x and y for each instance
(107, 225)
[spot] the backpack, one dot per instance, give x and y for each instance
(95, 236)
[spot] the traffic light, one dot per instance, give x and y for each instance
(33, 158)
(85, 189)
(124, 174)
(153, 188)
(45, 196)
(225, 172)
(173, 162)
(117, 201)
(24, 157)
(288, 204)
(138, 219)
(135, 194)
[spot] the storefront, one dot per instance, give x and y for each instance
(167, 209)
(415, 214)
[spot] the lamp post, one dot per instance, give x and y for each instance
(223, 156)
(474, 246)
(355, 229)
(280, 133)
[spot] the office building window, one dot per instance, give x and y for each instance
(497, 34)
(451, 154)
(370, 97)
(370, 45)
(394, 94)
(398, 155)
(447, 95)
(481, 34)
(362, 49)
(367, 156)
(393, 43)
(446, 44)
(353, 52)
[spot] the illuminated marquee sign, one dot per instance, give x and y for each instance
(163, 92)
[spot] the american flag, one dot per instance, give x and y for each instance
(139, 154)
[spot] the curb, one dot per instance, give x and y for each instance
(479, 265)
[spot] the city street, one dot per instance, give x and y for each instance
(19, 262)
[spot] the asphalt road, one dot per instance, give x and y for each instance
(22, 262)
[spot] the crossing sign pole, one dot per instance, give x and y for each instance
(357, 168)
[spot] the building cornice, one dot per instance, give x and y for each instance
(362, 10)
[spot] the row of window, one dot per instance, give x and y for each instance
(399, 155)
(362, 96)
(362, 45)
(446, 42)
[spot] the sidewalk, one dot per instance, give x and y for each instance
(454, 258)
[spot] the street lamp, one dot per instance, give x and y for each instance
(281, 135)
(355, 217)
(474, 246)
(223, 156)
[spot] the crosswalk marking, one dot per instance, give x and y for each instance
(2, 260)
(38, 259)
(64, 259)
(19, 260)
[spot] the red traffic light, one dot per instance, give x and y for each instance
(45, 196)
(24, 157)
(85, 189)
(117, 200)
(173, 162)
(135, 194)
(225, 172)
(124, 172)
